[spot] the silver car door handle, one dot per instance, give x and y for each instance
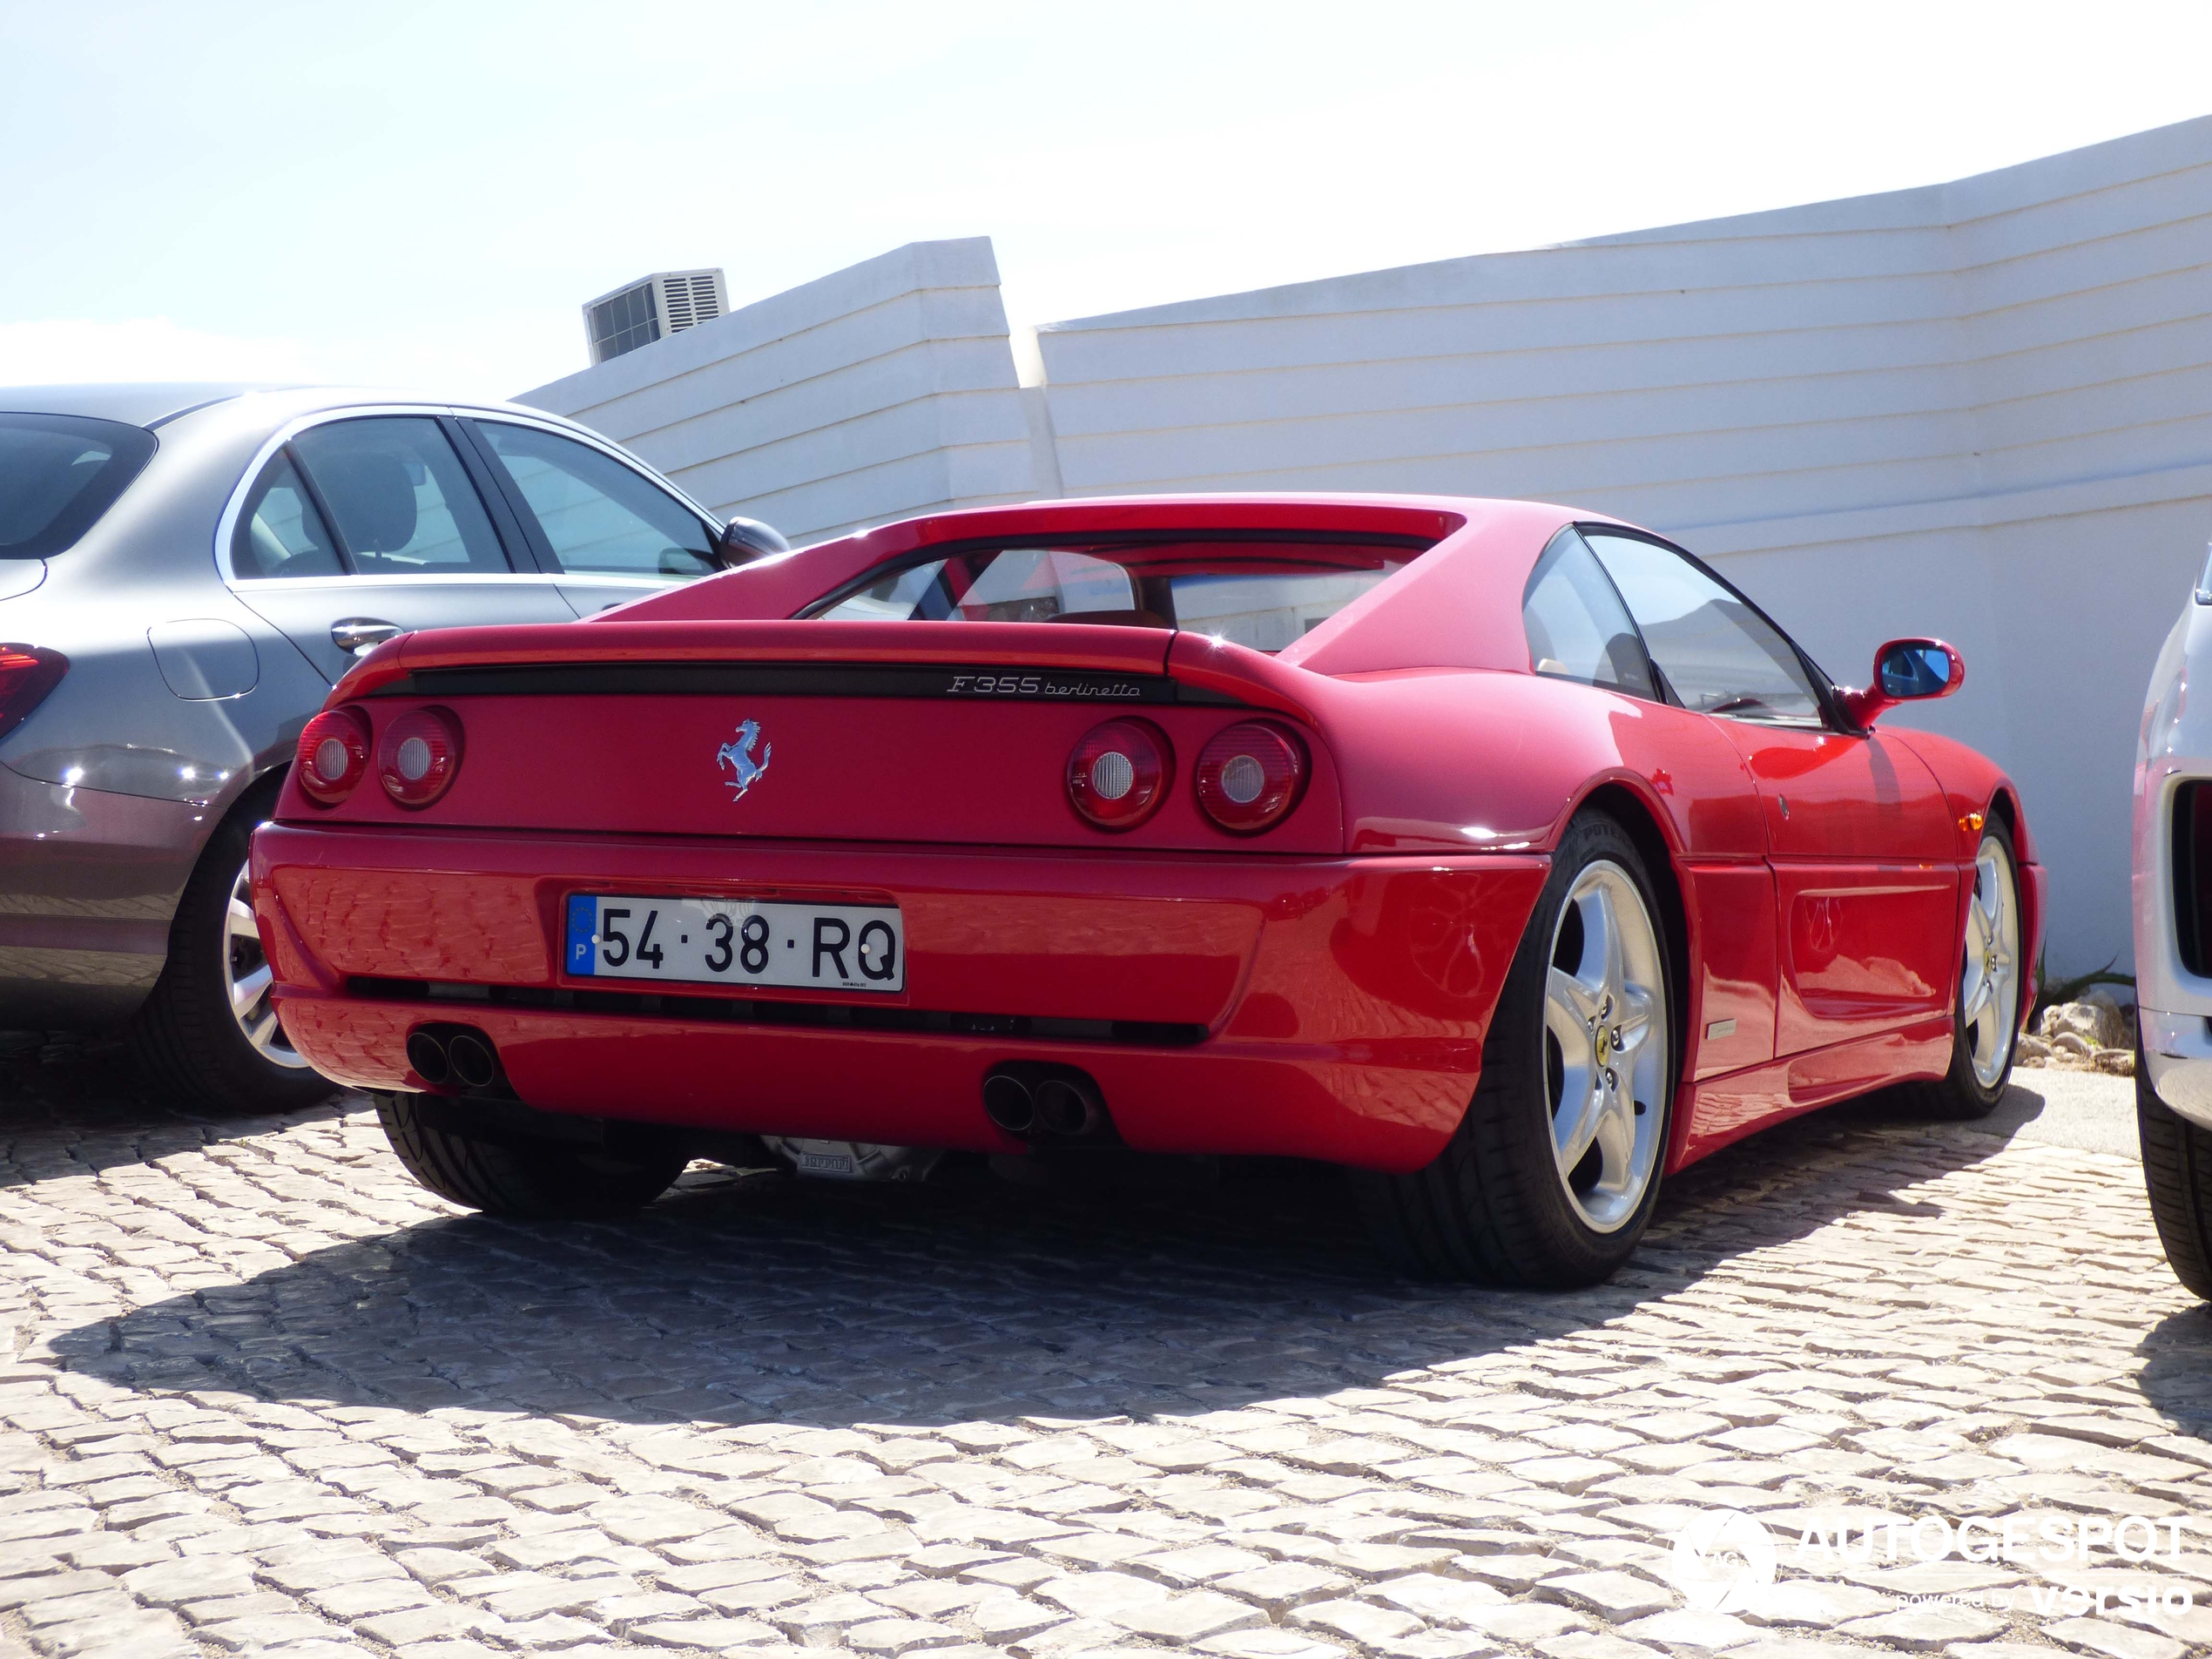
(357, 634)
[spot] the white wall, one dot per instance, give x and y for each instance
(881, 390)
(1980, 409)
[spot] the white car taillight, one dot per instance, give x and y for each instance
(418, 755)
(332, 756)
(1119, 773)
(1249, 776)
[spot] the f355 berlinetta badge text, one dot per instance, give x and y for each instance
(738, 757)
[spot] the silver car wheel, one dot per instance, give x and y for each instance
(1605, 1025)
(246, 977)
(1989, 980)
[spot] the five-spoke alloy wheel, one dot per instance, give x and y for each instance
(1989, 983)
(1605, 1059)
(1986, 1017)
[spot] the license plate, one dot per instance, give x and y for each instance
(736, 941)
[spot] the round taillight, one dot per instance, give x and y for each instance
(418, 755)
(332, 756)
(1249, 776)
(1118, 774)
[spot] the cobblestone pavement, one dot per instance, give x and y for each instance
(258, 1393)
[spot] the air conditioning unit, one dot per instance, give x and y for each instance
(651, 308)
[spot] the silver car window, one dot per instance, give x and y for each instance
(399, 500)
(280, 534)
(58, 473)
(597, 514)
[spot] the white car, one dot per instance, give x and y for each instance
(2173, 898)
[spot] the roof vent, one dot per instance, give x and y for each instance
(651, 308)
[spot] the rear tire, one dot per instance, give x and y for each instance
(1983, 1040)
(2177, 1172)
(1521, 1194)
(187, 1034)
(516, 1178)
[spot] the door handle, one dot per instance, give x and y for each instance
(357, 634)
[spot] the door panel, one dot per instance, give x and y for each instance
(1867, 882)
(1866, 948)
(307, 608)
(1829, 796)
(375, 520)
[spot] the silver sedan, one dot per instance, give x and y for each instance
(184, 571)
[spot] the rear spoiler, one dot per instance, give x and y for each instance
(1216, 669)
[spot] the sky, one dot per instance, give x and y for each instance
(425, 192)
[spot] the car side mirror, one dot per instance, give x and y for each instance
(744, 541)
(1907, 670)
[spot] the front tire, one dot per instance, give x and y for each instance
(1986, 1017)
(518, 1178)
(206, 1032)
(2178, 1172)
(1551, 1176)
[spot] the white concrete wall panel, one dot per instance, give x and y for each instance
(876, 392)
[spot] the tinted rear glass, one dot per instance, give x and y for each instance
(1260, 594)
(58, 473)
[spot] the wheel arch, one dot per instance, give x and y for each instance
(1647, 829)
(257, 796)
(2005, 808)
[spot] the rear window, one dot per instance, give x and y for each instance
(1263, 593)
(58, 473)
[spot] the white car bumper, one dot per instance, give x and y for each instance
(2177, 1047)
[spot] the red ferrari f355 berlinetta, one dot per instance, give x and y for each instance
(1501, 854)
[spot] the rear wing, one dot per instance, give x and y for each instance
(1009, 661)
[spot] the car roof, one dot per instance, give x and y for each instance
(139, 404)
(156, 403)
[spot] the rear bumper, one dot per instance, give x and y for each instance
(1329, 1008)
(89, 883)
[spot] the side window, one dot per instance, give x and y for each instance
(1718, 655)
(402, 503)
(1577, 629)
(280, 533)
(597, 514)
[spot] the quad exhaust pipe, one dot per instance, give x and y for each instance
(1046, 1103)
(459, 1055)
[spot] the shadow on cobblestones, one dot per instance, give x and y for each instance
(743, 1298)
(2177, 1374)
(736, 1299)
(98, 1109)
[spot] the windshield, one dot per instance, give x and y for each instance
(1260, 594)
(58, 473)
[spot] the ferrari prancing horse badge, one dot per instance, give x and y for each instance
(738, 757)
